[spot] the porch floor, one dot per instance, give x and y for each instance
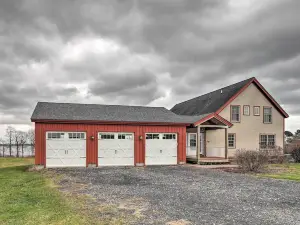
(207, 160)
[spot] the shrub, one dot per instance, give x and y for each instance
(296, 155)
(251, 160)
(275, 154)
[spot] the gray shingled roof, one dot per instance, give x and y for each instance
(209, 102)
(120, 113)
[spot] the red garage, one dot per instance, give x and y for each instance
(73, 135)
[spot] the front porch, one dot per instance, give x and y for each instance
(207, 142)
(207, 160)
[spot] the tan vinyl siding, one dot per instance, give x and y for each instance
(248, 130)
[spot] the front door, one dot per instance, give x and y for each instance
(191, 149)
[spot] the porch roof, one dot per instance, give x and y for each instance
(198, 120)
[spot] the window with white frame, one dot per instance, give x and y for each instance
(246, 110)
(256, 110)
(152, 136)
(235, 113)
(76, 135)
(193, 140)
(267, 141)
(231, 140)
(169, 136)
(267, 115)
(106, 136)
(55, 135)
(125, 136)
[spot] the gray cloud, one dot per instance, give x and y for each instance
(201, 44)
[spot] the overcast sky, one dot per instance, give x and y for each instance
(150, 52)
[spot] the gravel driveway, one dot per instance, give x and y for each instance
(190, 195)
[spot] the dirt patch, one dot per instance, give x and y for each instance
(179, 222)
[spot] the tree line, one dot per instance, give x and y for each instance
(18, 139)
(289, 136)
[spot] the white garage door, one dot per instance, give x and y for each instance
(161, 149)
(116, 149)
(65, 149)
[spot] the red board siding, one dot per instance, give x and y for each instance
(92, 145)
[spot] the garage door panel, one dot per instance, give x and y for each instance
(166, 160)
(113, 151)
(161, 150)
(115, 161)
(65, 149)
(63, 162)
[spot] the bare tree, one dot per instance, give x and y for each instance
(23, 139)
(17, 137)
(31, 139)
(2, 141)
(10, 133)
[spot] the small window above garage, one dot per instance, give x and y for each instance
(55, 135)
(169, 136)
(125, 136)
(106, 136)
(152, 136)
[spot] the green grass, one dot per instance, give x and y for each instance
(283, 171)
(31, 198)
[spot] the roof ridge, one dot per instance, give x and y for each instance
(74, 103)
(215, 91)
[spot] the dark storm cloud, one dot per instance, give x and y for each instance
(140, 86)
(203, 44)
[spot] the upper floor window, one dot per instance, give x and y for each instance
(235, 113)
(267, 115)
(267, 141)
(246, 110)
(256, 110)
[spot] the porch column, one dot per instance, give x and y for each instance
(198, 144)
(226, 143)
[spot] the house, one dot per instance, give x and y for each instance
(243, 115)
(258, 121)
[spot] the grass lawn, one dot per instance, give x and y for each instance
(283, 171)
(32, 198)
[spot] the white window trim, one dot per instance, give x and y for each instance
(267, 107)
(231, 110)
(189, 139)
(234, 141)
(267, 139)
(255, 114)
(246, 106)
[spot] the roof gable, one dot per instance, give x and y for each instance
(210, 102)
(216, 101)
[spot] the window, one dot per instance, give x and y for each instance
(169, 136)
(106, 136)
(193, 140)
(124, 136)
(76, 135)
(152, 136)
(235, 113)
(55, 135)
(247, 110)
(231, 140)
(256, 110)
(267, 115)
(267, 141)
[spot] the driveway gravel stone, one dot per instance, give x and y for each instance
(190, 195)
